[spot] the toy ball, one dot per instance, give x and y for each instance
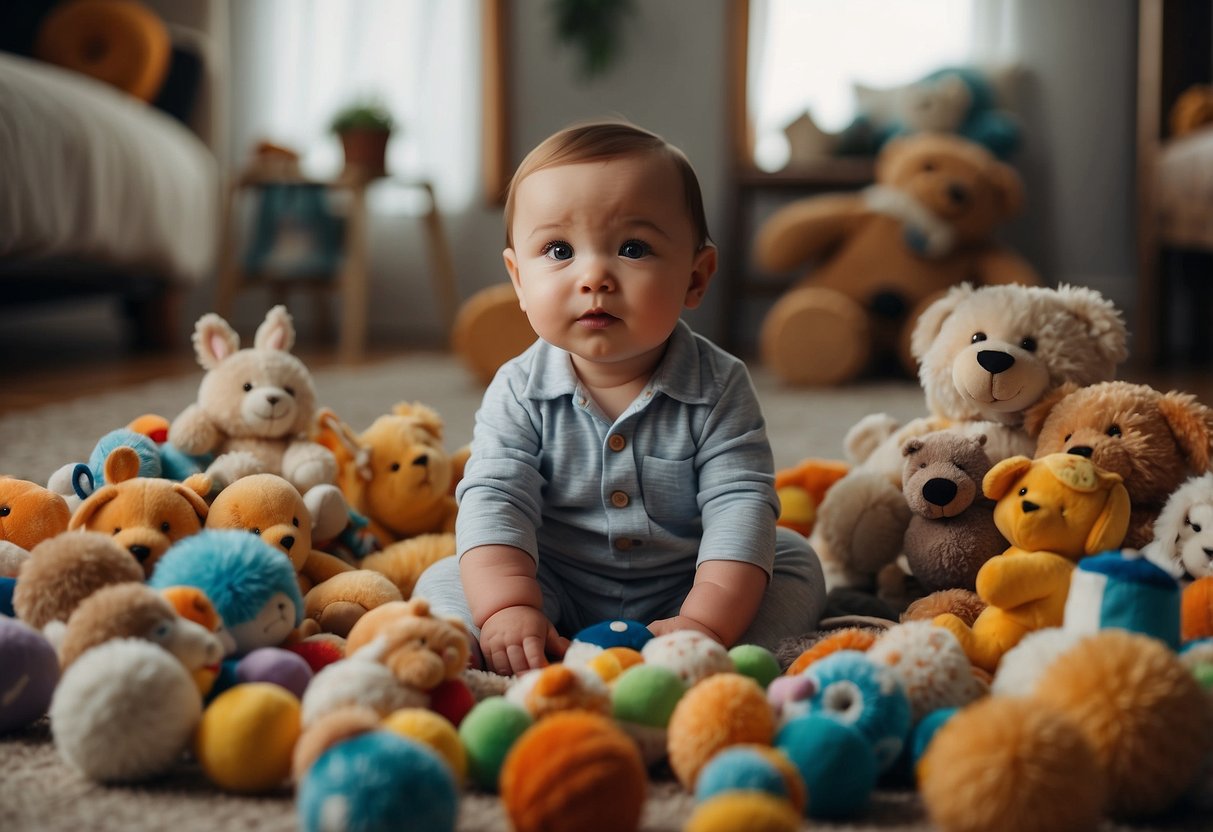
(1125, 590)
(1196, 609)
(430, 729)
(378, 782)
(752, 768)
(279, 667)
(247, 735)
(1141, 710)
(1006, 764)
(357, 682)
(318, 653)
(560, 687)
(573, 772)
(751, 811)
(929, 664)
(1023, 666)
(332, 728)
(836, 763)
(124, 711)
(452, 699)
(849, 638)
(689, 653)
(611, 662)
(31, 670)
(617, 633)
(852, 689)
(925, 730)
(642, 701)
(723, 710)
(756, 662)
(488, 732)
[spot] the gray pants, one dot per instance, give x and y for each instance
(794, 600)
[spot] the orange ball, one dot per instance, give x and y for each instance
(851, 638)
(573, 771)
(722, 710)
(1196, 611)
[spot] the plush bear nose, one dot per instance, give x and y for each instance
(1208, 553)
(939, 491)
(287, 542)
(1029, 506)
(995, 361)
(272, 399)
(140, 552)
(1082, 450)
(889, 304)
(424, 459)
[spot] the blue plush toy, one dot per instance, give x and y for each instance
(156, 459)
(835, 761)
(1125, 590)
(251, 583)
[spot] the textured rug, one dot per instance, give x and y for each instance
(39, 791)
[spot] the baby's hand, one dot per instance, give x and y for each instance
(680, 622)
(514, 639)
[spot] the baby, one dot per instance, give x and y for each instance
(620, 466)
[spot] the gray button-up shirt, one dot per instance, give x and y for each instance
(684, 475)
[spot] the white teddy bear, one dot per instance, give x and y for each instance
(1183, 532)
(254, 410)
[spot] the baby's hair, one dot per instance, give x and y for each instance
(592, 141)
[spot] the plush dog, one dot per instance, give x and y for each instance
(1054, 510)
(146, 515)
(986, 356)
(1153, 440)
(1183, 532)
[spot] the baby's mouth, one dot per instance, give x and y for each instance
(597, 318)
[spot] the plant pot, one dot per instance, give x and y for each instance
(365, 152)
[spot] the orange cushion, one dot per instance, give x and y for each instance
(121, 42)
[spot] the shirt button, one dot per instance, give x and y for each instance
(623, 543)
(617, 442)
(619, 499)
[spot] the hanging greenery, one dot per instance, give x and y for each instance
(593, 27)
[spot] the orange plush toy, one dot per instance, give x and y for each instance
(146, 515)
(801, 489)
(29, 514)
(1054, 511)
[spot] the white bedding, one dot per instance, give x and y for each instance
(89, 173)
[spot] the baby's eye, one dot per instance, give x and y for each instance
(1113, 431)
(634, 249)
(1028, 344)
(558, 250)
(977, 337)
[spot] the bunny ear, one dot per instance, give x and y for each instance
(214, 340)
(277, 331)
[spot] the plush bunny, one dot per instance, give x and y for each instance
(255, 409)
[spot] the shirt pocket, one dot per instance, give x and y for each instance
(671, 491)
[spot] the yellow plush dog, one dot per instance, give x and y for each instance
(145, 515)
(1054, 511)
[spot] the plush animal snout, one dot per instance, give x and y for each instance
(995, 361)
(958, 194)
(1082, 450)
(939, 491)
(1029, 506)
(141, 553)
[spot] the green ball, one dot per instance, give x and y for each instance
(488, 732)
(645, 694)
(758, 663)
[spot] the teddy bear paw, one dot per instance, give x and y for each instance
(232, 466)
(329, 510)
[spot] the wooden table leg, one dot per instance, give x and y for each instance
(446, 287)
(354, 279)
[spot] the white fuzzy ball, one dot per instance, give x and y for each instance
(930, 664)
(690, 654)
(125, 710)
(1023, 666)
(357, 681)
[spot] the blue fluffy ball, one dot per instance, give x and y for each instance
(621, 632)
(739, 769)
(144, 446)
(378, 781)
(835, 761)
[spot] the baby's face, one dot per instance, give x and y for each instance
(605, 257)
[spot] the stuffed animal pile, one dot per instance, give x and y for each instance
(263, 643)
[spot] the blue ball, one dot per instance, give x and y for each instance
(854, 690)
(739, 769)
(621, 632)
(378, 781)
(925, 730)
(835, 761)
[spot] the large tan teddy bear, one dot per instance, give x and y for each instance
(398, 475)
(879, 257)
(986, 355)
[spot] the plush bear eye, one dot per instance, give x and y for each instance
(922, 465)
(1028, 344)
(295, 522)
(5, 511)
(928, 166)
(255, 531)
(1113, 431)
(117, 529)
(395, 466)
(1067, 439)
(290, 391)
(1195, 526)
(1023, 492)
(248, 385)
(164, 527)
(977, 337)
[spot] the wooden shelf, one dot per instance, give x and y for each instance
(829, 172)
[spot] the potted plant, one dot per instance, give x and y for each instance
(364, 128)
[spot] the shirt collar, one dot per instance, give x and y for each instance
(678, 375)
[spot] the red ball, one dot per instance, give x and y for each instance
(317, 654)
(452, 699)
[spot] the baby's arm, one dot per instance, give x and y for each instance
(507, 606)
(722, 603)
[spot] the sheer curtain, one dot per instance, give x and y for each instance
(295, 63)
(807, 54)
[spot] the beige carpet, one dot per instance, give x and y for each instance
(38, 791)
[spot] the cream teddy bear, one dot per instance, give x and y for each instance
(254, 412)
(986, 355)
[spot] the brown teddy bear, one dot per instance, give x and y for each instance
(1153, 440)
(146, 515)
(335, 593)
(1054, 510)
(986, 355)
(398, 475)
(879, 257)
(63, 570)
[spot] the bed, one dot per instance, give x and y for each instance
(103, 194)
